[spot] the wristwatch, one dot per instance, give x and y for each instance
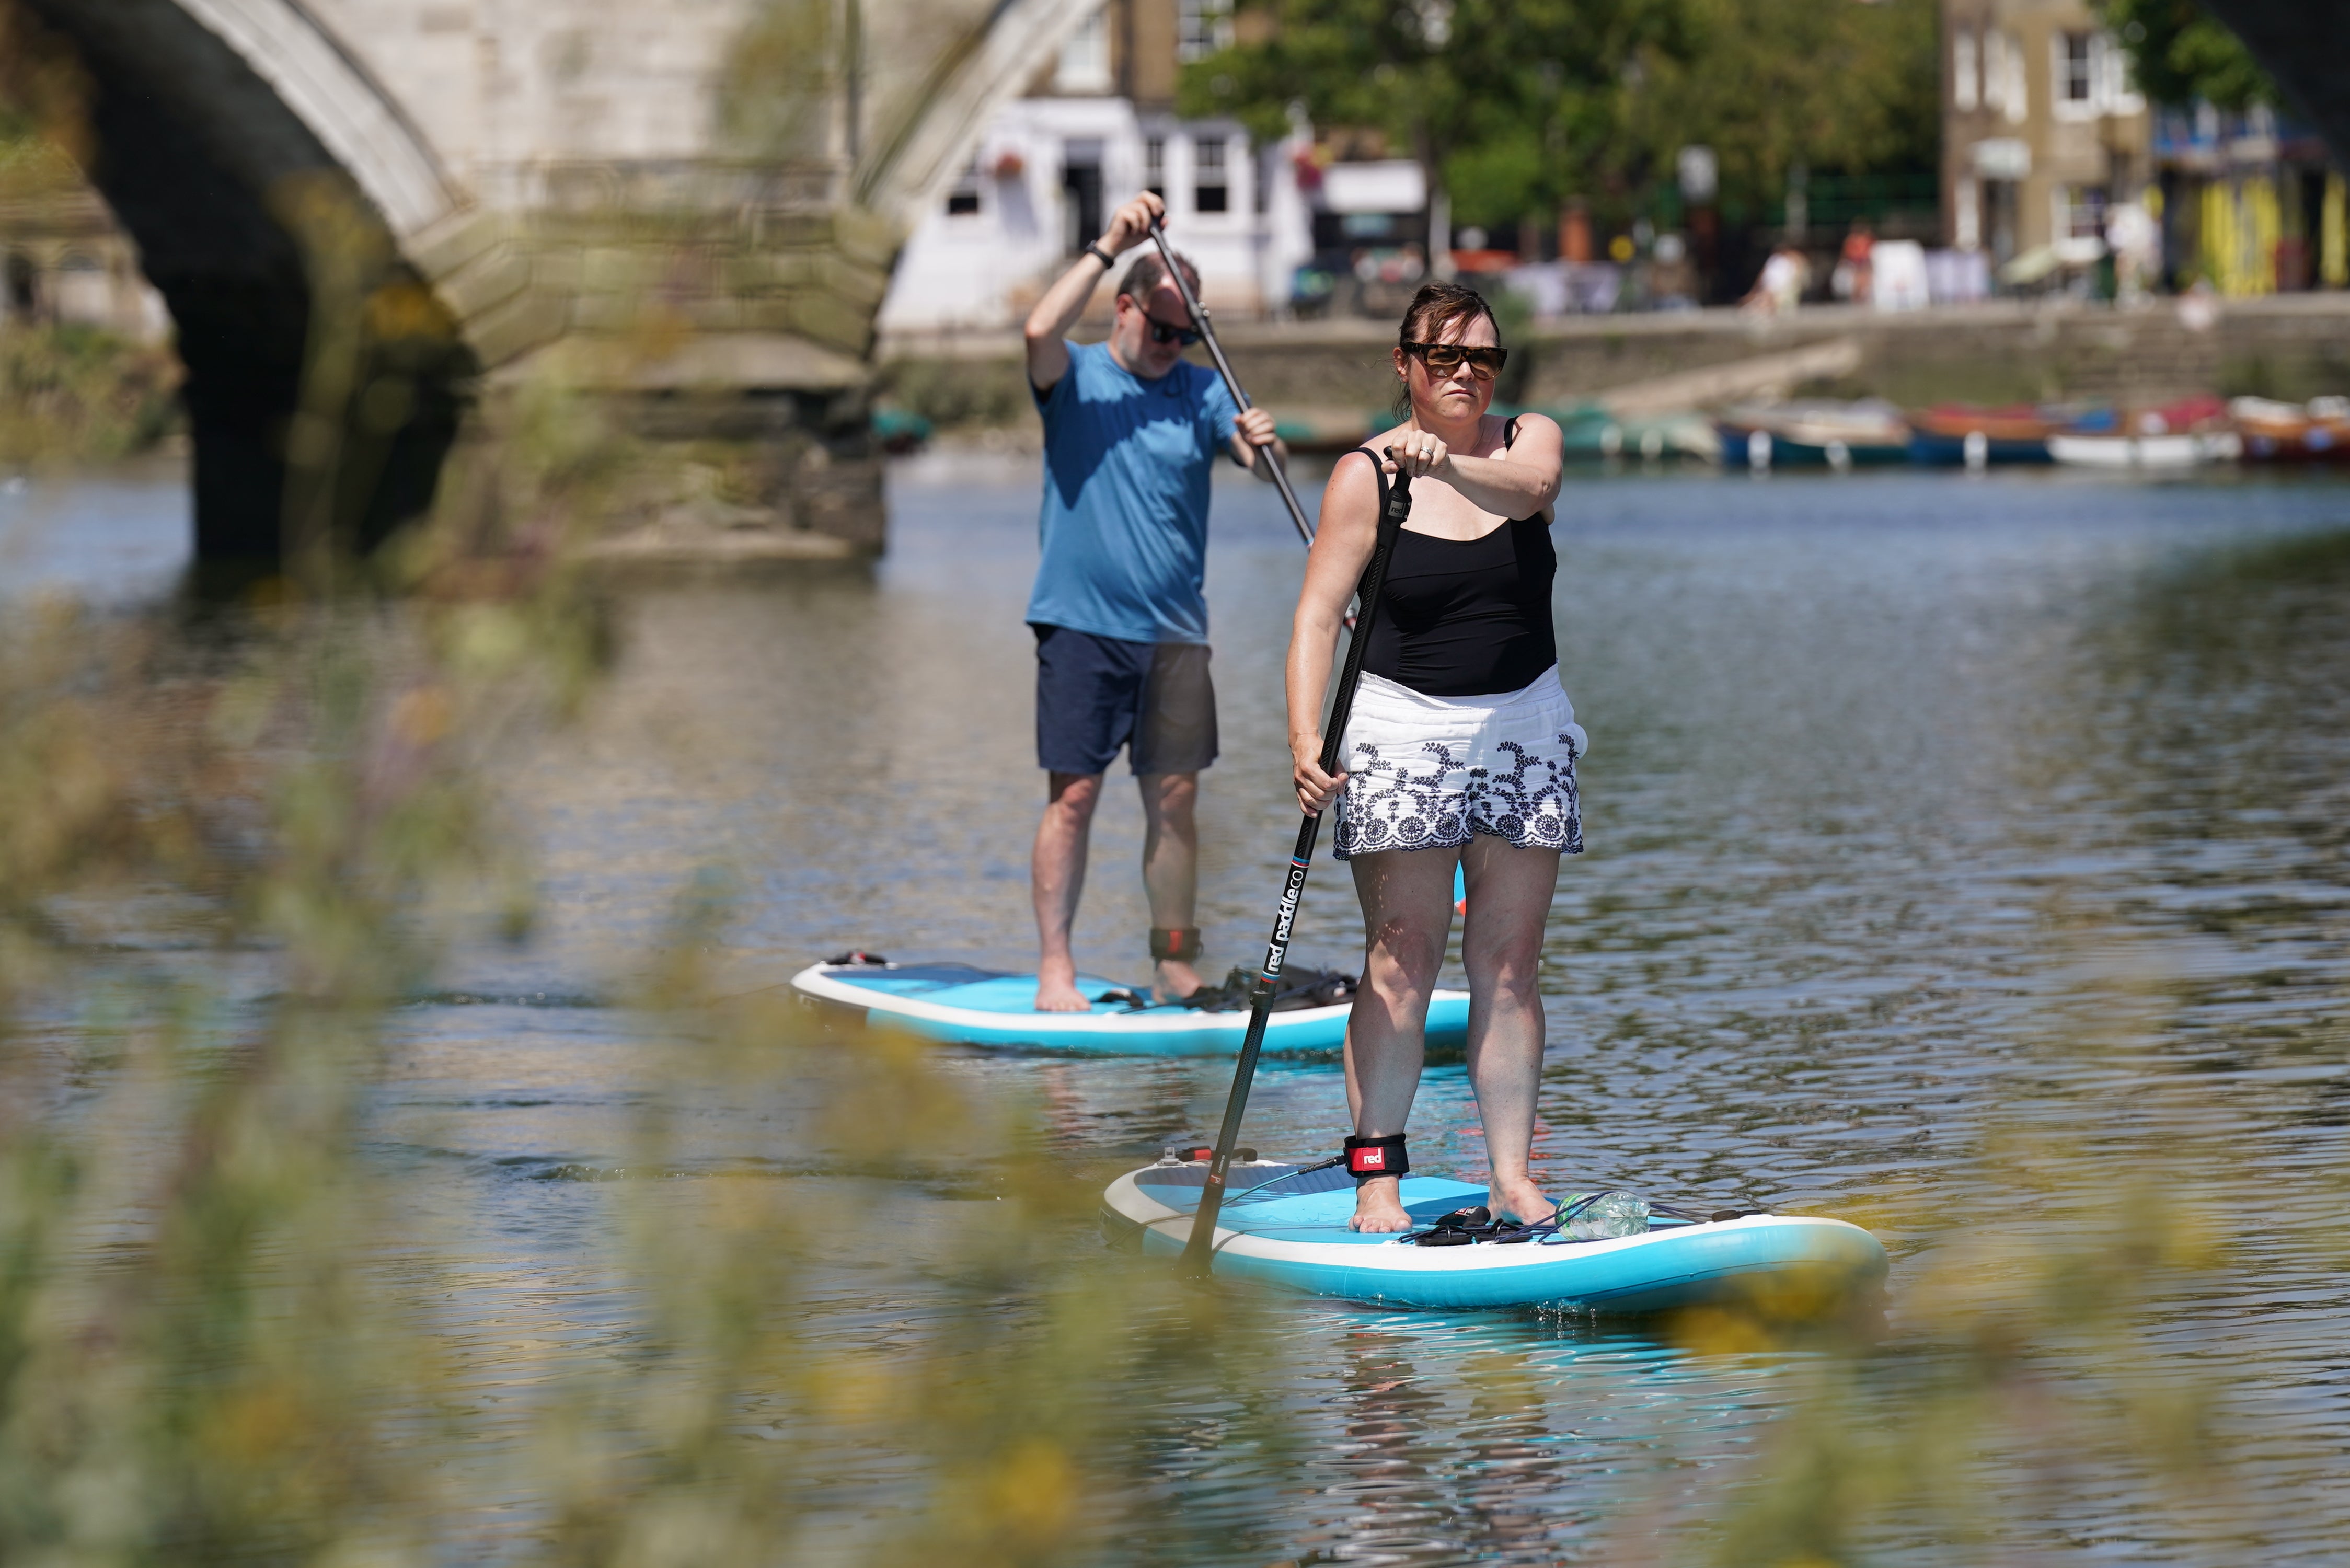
(1101, 256)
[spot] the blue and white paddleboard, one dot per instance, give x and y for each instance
(1292, 1234)
(973, 1006)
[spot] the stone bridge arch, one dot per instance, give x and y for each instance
(506, 161)
(2306, 48)
(204, 118)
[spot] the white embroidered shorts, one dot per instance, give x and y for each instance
(1427, 772)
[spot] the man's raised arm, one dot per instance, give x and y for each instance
(1048, 326)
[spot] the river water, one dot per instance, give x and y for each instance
(1959, 848)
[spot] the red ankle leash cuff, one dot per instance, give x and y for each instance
(1177, 943)
(1370, 1156)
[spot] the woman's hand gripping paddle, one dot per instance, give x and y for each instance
(1199, 1253)
(1232, 382)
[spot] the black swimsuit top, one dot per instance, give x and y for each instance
(1466, 617)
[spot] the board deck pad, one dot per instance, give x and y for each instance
(1292, 1234)
(971, 1006)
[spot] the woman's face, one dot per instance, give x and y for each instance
(1457, 394)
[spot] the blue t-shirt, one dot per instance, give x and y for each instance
(1125, 523)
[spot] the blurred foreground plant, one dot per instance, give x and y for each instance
(2043, 1361)
(232, 844)
(226, 855)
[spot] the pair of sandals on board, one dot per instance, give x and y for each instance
(1298, 989)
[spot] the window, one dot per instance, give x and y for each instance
(24, 287)
(2076, 82)
(1081, 193)
(2091, 77)
(1202, 27)
(1154, 165)
(2080, 212)
(1965, 71)
(2017, 95)
(2075, 64)
(1085, 60)
(1210, 190)
(962, 196)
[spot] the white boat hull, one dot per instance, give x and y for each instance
(2146, 452)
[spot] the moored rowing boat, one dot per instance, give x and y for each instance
(2314, 432)
(1813, 433)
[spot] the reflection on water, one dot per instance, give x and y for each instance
(1929, 820)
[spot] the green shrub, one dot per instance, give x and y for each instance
(73, 394)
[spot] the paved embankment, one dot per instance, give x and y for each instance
(2293, 346)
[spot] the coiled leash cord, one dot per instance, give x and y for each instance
(1464, 1227)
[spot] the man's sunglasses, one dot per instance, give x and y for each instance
(1443, 359)
(1160, 332)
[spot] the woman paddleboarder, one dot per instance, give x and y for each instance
(1461, 748)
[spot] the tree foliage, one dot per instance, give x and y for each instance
(1775, 83)
(1494, 96)
(1518, 105)
(2182, 53)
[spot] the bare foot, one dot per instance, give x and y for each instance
(1177, 980)
(1377, 1208)
(1520, 1201)
(1057, 990)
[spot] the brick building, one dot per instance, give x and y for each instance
(2049, 151)
(63, 259)
(2045, 135)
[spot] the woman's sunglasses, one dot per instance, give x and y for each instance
(1443, 359)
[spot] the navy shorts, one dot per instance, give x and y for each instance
(1098, 694)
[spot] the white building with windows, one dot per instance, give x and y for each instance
(1098, 125)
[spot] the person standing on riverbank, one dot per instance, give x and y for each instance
(1461, 748)
(1120, 610)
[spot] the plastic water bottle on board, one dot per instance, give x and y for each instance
(1610, 1215)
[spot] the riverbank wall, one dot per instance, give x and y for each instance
(2291, 347)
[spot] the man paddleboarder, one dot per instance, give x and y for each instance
(1131, 431)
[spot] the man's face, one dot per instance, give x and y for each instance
(1133, 334)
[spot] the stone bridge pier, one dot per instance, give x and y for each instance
(368, 217)
(2305, 45)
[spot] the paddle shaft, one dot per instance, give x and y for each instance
(1199, 1253)
(1232, 382)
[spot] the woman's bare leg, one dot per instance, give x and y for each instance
(1510, 895)
(1407, 897)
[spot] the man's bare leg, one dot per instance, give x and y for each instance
(1407, 897)
(1170, 867)
(1510, 893)
(1056, 878)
